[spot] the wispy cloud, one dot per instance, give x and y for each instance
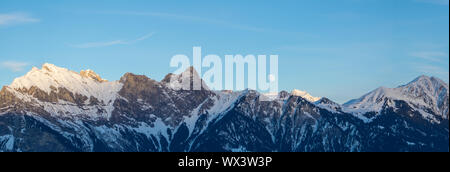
(434, 70)
(14, 66)
(189, 18)
(431, 56)
(16, 18)
(111, 43)
(98, 44)
(437, 2)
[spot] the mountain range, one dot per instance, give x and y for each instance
(55, 109)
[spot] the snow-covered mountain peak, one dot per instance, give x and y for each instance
(184, 80)
(305, 95)
(372, 101)
(423, 79)
(329, 105)
(422, 93)
(51, 78)
(426, 85)
(51, 67)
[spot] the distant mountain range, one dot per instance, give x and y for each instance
(55, 109)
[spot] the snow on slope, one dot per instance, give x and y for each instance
(305, 95)
(185, 80)
(88, 84)
(7, 142)
(329, 105)
(371, 102)
(222, 101)
(423, 92)
(51, 75)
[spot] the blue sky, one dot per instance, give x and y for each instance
(337, 49)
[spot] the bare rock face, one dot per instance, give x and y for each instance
(10, 102)
(144, 98)
(55, 95)
(185, 80)
(94, 101)
(91, 74)
(167, 78)
(7, 98)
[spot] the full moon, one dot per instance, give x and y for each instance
(271, 78)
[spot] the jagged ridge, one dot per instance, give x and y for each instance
(82, 112)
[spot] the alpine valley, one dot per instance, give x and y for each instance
(55, 109)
